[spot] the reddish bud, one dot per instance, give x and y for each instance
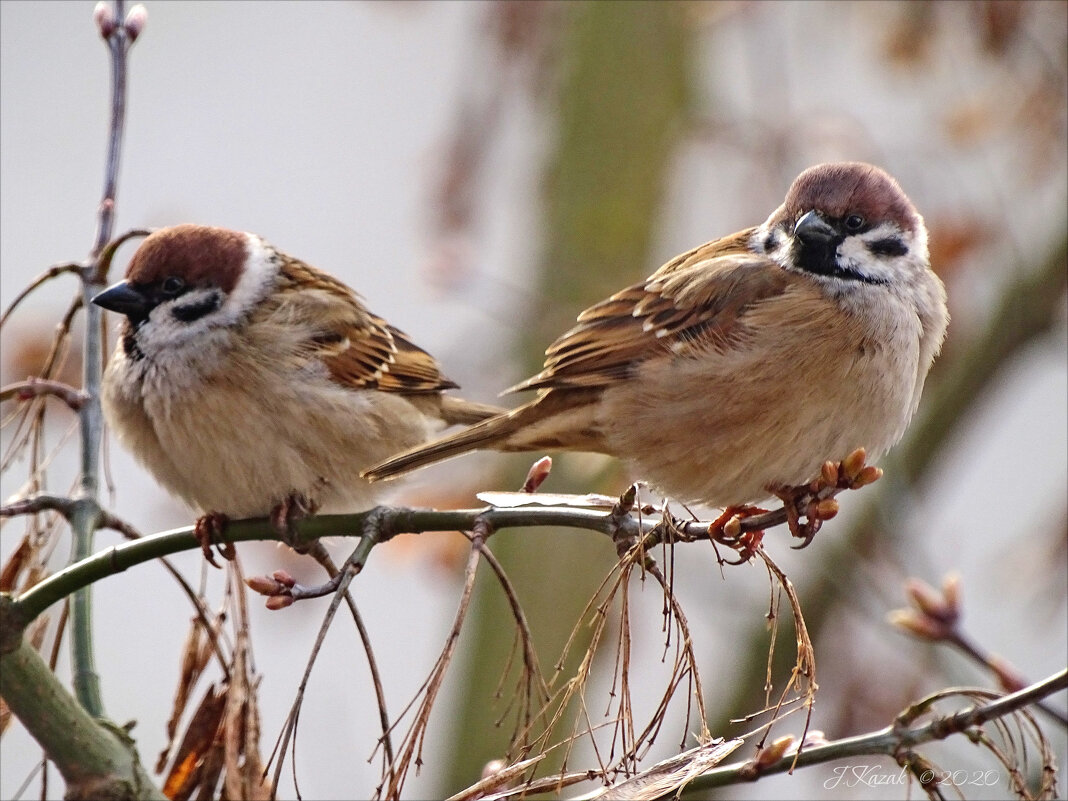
(815, 738)
(918, 625)
(104, 17)
(927, 600)
(951, 592)
(829, 474)
(264, 585)
(282, 577)
(539, 471)
(733, 527)
(826, 508)
(772, 753)
(854, 463)
(1008, 678)
(869, 475)
(276, 602)
(135, 21)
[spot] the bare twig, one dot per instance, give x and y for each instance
(893, 739)
(411, 748)
(532, 679)
(322, 556)
(936, 616)
(32, 414)
(52, 272)
(118, 32)
(375, 529)
(38, 387)
(803, 677)
(69, 508)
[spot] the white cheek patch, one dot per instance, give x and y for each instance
(772, 241)
(163, 331)
(855, 253)
(257, 279)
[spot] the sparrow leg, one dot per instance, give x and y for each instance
(208, 531)
(725, 529)
(798, 501)
(295, 506)
(815, 500)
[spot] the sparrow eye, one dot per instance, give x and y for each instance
(172, 286)
(854, 222)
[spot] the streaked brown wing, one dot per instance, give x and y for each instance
(360, 349)
(694, 302)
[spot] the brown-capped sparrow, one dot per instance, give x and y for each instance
(738, 368)
(250, 383)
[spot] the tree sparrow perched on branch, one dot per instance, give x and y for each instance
(738, 368)
(247, 381)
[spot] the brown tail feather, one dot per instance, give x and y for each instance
(485, 434)
(460, 412)
(556, 420)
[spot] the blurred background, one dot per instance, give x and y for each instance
(483, 171)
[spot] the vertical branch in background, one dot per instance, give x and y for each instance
(118, 32)
(619, 106)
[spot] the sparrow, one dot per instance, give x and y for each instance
(740, 367)
(250, 383)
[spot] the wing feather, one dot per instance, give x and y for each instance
(693, 303)
(360, 349)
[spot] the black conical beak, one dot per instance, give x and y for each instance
(812, 229)
(124, 299)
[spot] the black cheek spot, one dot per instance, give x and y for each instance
(769, 243)
(189, 312)
(130, 347)
(888, 247)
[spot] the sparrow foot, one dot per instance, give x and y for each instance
(295, 506)
(208, 531)
(815, 502)
(726, 529)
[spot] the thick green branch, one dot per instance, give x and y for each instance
(400, 521)
(95, 760)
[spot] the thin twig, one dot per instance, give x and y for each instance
(805, 665)
(52, 272)
(322, 556)
(375, 529)
(892, 739)
(412, 747)
(38, 387)
(118, 37)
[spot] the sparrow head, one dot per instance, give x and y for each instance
(848, 221)
(187, 281)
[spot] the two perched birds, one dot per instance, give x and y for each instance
(246, 380)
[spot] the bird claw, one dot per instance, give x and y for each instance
(726, 529)
(815, 500)
(295, 506)
(208, 531)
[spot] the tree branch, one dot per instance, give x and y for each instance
(36, 387)
(890, 741)
(95, 760)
